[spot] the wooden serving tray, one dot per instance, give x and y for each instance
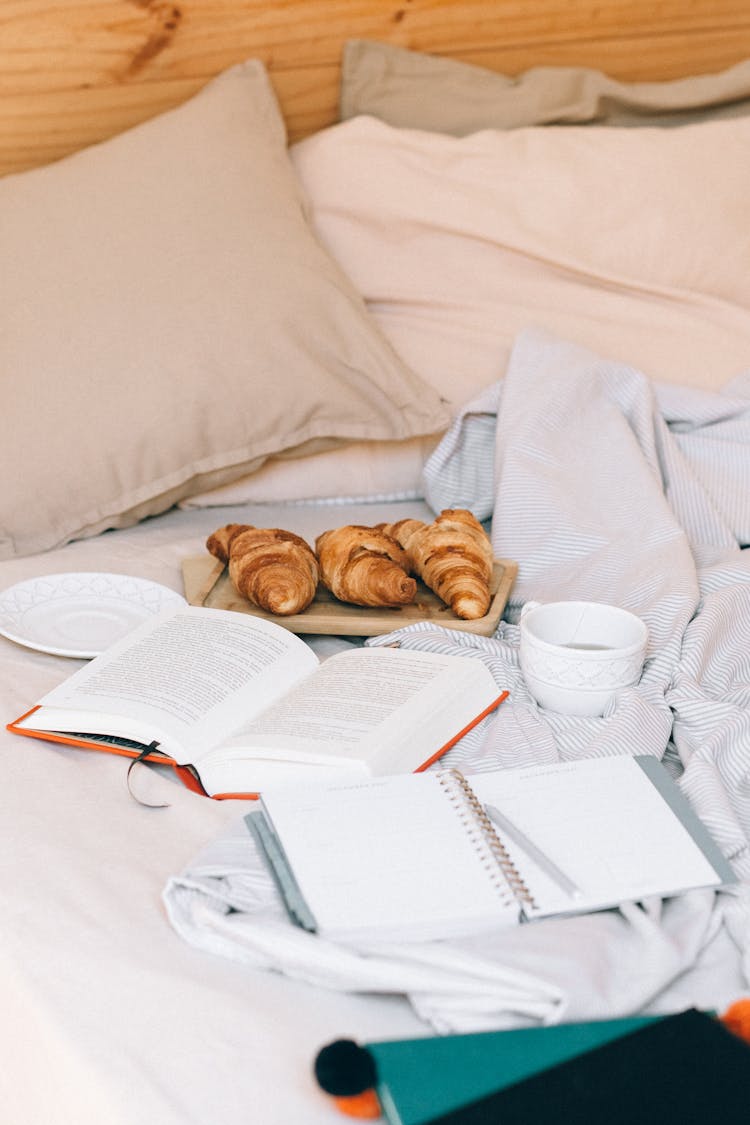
(207, 583)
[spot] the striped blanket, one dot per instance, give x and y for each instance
(606, 487)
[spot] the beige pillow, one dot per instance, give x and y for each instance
(633, 242)
(418, 91)
(168, 321)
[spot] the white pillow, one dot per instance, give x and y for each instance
(363, 472)
(633, 242)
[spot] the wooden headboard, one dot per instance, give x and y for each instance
(75, 71)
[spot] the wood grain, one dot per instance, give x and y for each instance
(327, 615)
(73, 72)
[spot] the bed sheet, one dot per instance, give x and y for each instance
(107, 1015)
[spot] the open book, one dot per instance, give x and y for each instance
(243, 703)
(577, 837)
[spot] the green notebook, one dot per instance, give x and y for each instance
(419, 1079)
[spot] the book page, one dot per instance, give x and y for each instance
(370, 701)
(187, 678)
(386, 859)
(604, 824)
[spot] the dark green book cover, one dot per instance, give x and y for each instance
(419, 1079)
(686, 1068)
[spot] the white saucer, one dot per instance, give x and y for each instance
(79, 614)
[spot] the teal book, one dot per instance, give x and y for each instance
(421, 1079)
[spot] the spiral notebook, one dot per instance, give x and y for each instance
(423, 856)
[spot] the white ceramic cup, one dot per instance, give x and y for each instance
(576, 655)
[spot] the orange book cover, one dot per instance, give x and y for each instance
(187, 774)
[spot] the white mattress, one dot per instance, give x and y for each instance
(107, 1015)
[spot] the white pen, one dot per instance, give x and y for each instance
(543, 861)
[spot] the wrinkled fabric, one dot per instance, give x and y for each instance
(603, 487)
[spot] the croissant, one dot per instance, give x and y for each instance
(452, 555)
(364, 566)
(272, 568)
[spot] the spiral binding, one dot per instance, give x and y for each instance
(493, 853)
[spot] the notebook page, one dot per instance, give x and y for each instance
(387, 859)
(604, 824)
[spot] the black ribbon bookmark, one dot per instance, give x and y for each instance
(150, 749)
